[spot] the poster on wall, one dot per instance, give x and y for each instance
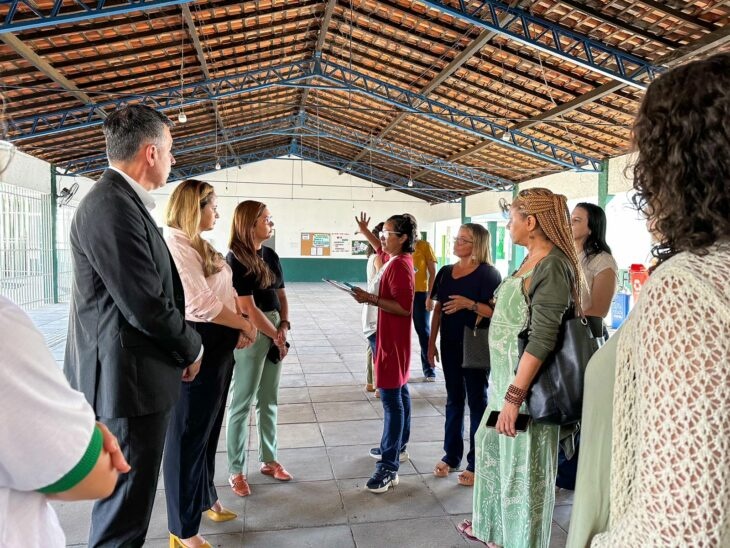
(341, 243)
(359, 248)
(315, 244)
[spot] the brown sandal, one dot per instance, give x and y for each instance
(466, 478)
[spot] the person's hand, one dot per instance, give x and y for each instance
(281, 335)
(191, 371)
(361, 296)
(456, 303)
(433, 354)
(429, 304)
(283, 351)
(111, 446)
(244, 341)
(362, 222)
(507, 419)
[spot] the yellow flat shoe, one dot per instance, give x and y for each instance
(175, 542)
(224, 515)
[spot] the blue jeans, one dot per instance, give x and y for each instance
(396, 425)
(462, 385)
(422, 323)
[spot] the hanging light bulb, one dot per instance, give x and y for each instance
(182, 118)
(217, 165)
(410, 182)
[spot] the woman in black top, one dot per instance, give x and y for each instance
(462, 291)
(259, 282)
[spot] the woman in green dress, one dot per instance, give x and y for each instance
(514, 489)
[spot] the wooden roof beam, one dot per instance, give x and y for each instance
(193, 33)
(326, 19)
(48, 70)
(477, 44)
(618, 23)
(677, 57)
(678, 14)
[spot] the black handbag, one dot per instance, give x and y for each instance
(556, 393)
(476, 345)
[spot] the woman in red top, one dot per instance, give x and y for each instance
(393, 355)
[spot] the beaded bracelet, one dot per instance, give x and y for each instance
(515, 395)
(373, 299)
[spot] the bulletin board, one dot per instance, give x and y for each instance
(315, 244)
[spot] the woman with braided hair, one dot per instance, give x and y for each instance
(514, 483)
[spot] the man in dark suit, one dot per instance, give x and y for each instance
(128, 344)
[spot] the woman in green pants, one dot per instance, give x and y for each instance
(259, 282)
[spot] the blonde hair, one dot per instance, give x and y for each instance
(242, 243)
(184, 211)
(553, 218)
(481, 246)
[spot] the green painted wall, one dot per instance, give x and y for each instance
(313, 270)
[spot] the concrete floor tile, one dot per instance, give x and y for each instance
(339, 393)
(290, 413)
(298, 394)
(292, 504)
(337, 536)
(330, 379)
(432, 532)
(229, 540)
(563, 497)
(410, 499)
(325, 367)
(561, 516)
(354, 461)
(352, 432)
(291, 436)
(291, 381)
(558, 537)
(427, 428)
(75, 518)
(344, 411)
(305, 464)
(455, 498)
(313, 509)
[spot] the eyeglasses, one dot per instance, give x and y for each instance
(462, 241)
(268, 219)
(385, 233)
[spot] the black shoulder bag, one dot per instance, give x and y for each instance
(476, 345)
(556, 393)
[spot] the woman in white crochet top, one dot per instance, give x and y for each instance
(670, 483)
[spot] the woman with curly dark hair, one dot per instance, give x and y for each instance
(671, 447)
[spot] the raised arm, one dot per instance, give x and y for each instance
(362, 224)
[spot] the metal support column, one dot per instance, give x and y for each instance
(464, 218)
(492, 228)
(518, 252)
(603, 196)
(54, 241)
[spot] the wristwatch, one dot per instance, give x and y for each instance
(287, 322)
(473, 307)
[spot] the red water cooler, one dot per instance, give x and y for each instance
(638, 274)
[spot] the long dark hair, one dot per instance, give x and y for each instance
(596, 241)
(242, 243)
(681, 173)
(406, 225)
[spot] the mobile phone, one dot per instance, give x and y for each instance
(520, 425)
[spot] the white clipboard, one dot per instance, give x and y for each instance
(343, 286)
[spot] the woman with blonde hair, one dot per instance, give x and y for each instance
(210, 308)
(259, 281)
(514, 488)
(463, 292)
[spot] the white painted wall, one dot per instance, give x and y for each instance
(306, 197)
